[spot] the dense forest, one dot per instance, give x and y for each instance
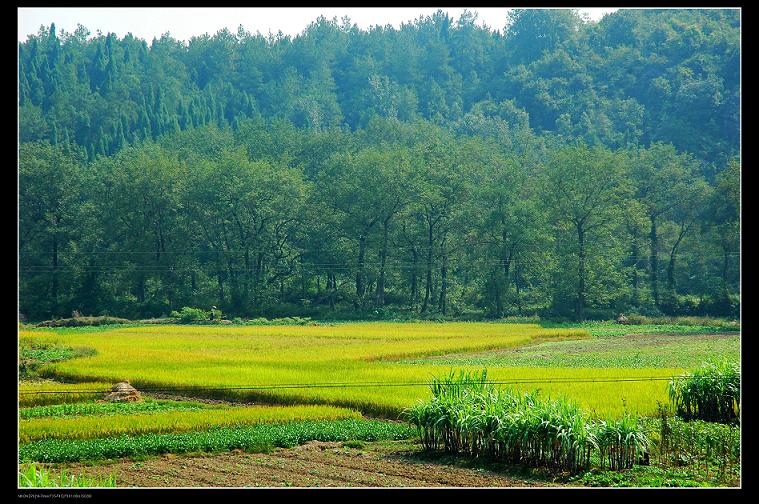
(558, 167)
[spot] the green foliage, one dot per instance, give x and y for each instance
(680, 350)
(443, 169)
(33, 355)
(677, 443)
(254, 439)
(187, 314)
(470, 416)
(105, 408)
(40, 477)
(711, 392)
(84, 322)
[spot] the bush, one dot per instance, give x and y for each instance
(83, 321)
(710, 393)
(187, 314)
(725, 305)
(677, 443)
(634, 319)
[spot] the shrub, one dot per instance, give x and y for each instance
(187, 314)
(710, 393)
(679, 443)
(84, 321)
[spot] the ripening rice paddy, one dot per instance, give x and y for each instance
(366, 356)
(88, 427)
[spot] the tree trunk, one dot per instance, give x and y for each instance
(635, 279)
(673, 258)
(220, 280)
(506, 269)
(497, 293)
(725, 268)
(443, 303)
(580, 308)
(428, 287)
(414, 278)
(257, 278)
(332, 288)
(360, 288)
(654, 261)
(383, 259)
(518, 291)
(54, 286)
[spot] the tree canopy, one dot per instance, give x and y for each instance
(559, 166)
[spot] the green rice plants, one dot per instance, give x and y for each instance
(710, 393)
(213, 361)
(42, 393)
(159, 421)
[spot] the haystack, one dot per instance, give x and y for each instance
(123, 391)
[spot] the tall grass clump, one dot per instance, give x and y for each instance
(468, 415)
(621, 443)
(39, 477)
(710, 393)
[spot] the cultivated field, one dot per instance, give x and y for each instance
(365, 356)
(255, 388)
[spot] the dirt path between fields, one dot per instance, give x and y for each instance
(314, 464)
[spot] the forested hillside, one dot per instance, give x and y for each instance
(562, 167)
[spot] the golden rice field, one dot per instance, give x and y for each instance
(87, 427)
(198, 357)
(44, 393)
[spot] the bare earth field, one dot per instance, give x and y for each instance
(381, 464)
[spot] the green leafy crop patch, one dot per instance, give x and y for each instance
(255, 438)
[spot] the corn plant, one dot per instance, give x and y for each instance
(620, 442)
(467, 415)
(710, 393)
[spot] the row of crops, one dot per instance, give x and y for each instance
(468, 415)
(581, 419)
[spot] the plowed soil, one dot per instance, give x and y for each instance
(315, 464)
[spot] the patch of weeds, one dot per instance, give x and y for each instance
(358, 445)
(34, 355)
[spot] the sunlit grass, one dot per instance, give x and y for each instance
(656, 350)
(40, 477)
(195, 358)
(42, 393)
(87, 427)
